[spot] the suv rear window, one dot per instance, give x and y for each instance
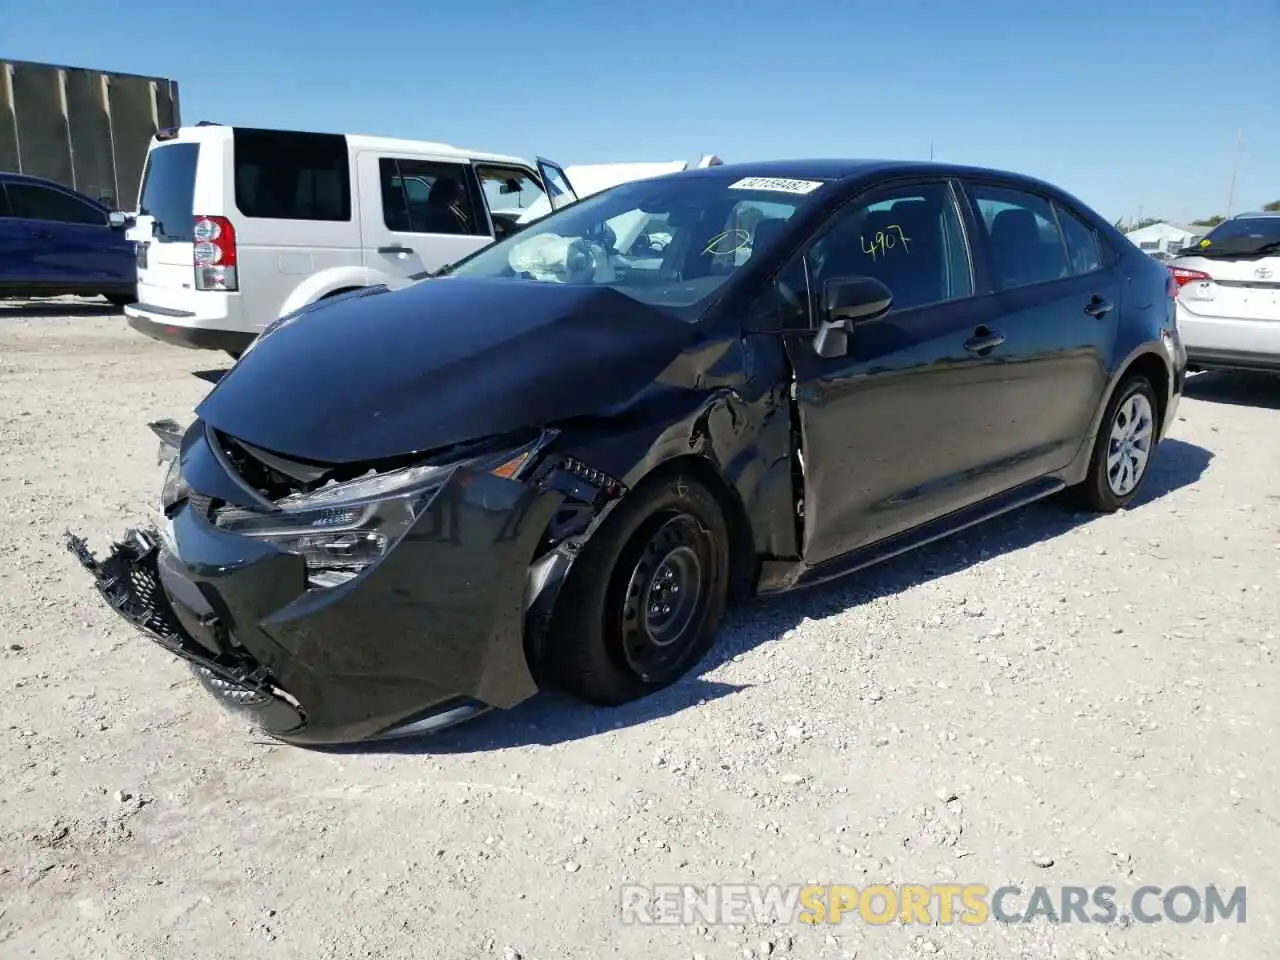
(287, 175)
(1241, 237)
(168, 190)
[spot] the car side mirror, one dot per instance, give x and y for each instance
(846, 302)
(117, 220)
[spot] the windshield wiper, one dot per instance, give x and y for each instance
(431, 274)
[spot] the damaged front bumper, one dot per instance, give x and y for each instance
(431, 634)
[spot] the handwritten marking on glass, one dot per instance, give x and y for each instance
(731, 241)
(890, 238)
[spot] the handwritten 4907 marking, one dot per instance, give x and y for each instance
(890, 238)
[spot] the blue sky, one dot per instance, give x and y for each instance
(1130, 104)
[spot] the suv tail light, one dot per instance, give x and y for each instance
(214, 254)
(1179, 277)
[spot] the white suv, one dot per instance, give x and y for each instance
(238, 226)
(1229, 295)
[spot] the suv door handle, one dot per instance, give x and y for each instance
(1098, 307)
(983, 340)
(395, 248)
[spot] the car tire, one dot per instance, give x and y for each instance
(619, 631)
(1130, 422)
(120, 300)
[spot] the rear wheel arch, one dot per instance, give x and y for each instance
(1156, 371)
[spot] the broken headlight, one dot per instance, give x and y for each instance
(342, 528)
(175, 485)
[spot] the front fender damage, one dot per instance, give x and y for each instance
(588, 495)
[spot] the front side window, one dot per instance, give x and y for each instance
(508, 190)
(285, 175)
(1083, 252)
(31, 202)
(1022, 235)
(909, 238)
(671, 242)
(419, 196)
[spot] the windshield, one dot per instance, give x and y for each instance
(670, 242)
(1242, 237)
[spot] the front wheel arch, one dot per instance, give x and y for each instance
(585, 646)
(743, 557)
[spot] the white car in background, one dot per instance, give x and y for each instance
(237, 226)
(1228, 303)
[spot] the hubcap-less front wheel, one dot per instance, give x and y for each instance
(665, 597)
(1129, 449)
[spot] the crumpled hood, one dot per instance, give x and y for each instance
(444, 361)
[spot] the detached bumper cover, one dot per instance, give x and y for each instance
(431, 634)
(129, 580)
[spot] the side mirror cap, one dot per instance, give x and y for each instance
(847, 301)
(852, 300)
(117, 219)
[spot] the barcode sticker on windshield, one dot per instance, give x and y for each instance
(776, 184)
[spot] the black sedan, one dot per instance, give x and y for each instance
(557, 463)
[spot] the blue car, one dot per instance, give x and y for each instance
(55, 242)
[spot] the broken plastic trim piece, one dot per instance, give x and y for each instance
(170, 433)
(128, 579)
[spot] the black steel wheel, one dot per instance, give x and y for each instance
(645, 597)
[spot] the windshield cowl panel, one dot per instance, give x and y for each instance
(669, 242)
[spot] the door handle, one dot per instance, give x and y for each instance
(1098, 307)
(983, 340)
(395, 248)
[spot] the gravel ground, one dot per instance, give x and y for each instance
(1055, 699)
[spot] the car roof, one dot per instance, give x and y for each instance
(212, 131)
(10, 176)
(859, 168)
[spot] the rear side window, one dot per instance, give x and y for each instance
(31, 202)
(286, 175)
(1022, 235)
(1083, 252)
(169, 189)
(423, 197)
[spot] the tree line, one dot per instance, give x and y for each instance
(1207, 222)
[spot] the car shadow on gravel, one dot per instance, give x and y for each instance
(551, 718)
(1239, 388)
(47, 309)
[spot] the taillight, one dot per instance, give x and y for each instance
(1179, 277)
(214, 254)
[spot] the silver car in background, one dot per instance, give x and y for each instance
(1228, 303)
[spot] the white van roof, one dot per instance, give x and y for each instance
(216, 132)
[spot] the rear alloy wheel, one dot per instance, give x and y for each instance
(1122, 452)
(644, 598)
